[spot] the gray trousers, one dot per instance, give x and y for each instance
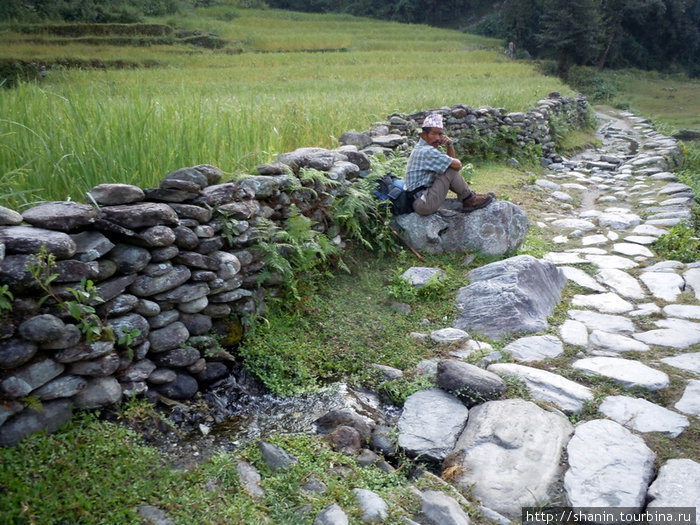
(433, 197)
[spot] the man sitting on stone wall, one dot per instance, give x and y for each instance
(430, 173)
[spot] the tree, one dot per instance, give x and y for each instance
(569, 32)
(522, 21)
(614, 13)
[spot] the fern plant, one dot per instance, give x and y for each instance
(295, 250)
(361, 216)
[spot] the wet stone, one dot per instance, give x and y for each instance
(141, 215)
(113, 194)
(145, 286)
(91, 245)
(28, 378)
(70, 337)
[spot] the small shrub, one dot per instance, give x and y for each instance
(680, 243)
(80, 307)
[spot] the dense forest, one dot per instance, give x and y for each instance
(662, 35)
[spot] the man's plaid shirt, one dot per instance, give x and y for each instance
(424, 165)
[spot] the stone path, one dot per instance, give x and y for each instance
(634, 322)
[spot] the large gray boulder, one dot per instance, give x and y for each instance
(497, 229)
(510, 453)
(515, 295)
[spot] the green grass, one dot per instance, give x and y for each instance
(81, 127)
(338, 328)
(96, 472)
(671, 101)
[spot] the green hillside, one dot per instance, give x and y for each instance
(132, 113)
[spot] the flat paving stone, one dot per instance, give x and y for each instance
(607, 303)
(619, 220)
(663, 285)
(643, 416)
(621, 282)
(632, 249)
(641, 239)
(627, 372)
(611, 261)
(608, 466)
(647, 229)
(689, 403)
(563, 258)
(676, 485)
(674, 187)
(597, 321)
(668, 337)
(664, 222)
(568, 396)
(616, 342)
(574, 333)
(535, 348)
(575, 224)
(594, 240)
(684, 311)
(645, 309)
(581, 278)
(692, 279)
(688, 362)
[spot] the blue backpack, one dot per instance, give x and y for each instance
(390, 190)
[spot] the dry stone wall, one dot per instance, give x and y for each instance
(173, 265)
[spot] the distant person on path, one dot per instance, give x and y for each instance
(430, 173)
(510, 50)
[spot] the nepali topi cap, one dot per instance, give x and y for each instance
(434, 120)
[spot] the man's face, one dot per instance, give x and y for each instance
(434, 136)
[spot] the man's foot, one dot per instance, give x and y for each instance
(476, 201)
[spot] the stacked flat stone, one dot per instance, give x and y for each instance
(533, 127)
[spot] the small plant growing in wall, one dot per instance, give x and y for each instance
(80, 306)
(6, 299)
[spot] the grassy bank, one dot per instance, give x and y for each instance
(80, 127)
